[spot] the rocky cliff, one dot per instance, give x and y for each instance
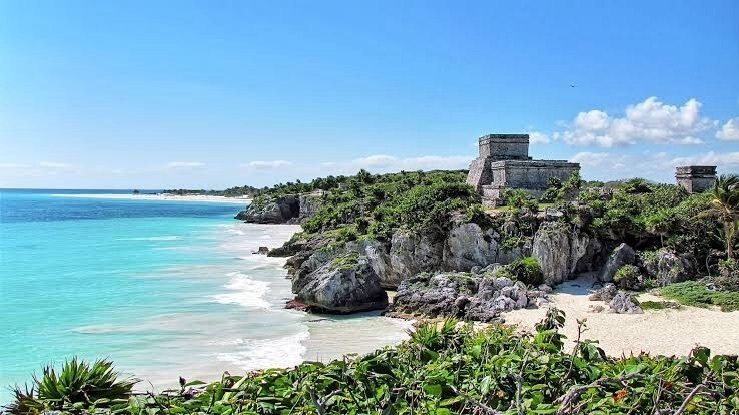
(290, 208)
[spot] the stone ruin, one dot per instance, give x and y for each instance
(696, 179)
(504, 163)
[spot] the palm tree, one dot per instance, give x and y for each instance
(725, 207)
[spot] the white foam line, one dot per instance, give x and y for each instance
(159, 196)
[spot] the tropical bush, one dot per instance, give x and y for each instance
(445, 369)
(628, 277)
(78, 385)
(527, 270)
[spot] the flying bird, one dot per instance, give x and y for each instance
(573, 86)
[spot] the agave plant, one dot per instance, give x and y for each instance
(77, 383)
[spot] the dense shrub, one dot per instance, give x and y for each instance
(628, 277)
(527, 270)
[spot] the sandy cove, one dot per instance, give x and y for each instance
(666, 332)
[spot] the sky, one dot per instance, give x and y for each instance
(201, 94)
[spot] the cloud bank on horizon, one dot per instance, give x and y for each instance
(605, 135)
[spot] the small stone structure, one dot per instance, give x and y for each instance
(504, 163)
(696, 179)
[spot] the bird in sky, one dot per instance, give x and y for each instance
(573, 85)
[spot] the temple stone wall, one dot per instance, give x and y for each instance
(696, 179)
(504, 146)
(533, 174)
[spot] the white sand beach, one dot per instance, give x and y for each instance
(160, 196)
(665, 332)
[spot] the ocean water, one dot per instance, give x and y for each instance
(163, 288)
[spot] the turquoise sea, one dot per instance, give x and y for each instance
(163, 288)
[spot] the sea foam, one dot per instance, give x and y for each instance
(245, 292)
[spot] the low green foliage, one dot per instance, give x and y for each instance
(696, 294)
(517, 199)
(444, 369)
(527, 270)
(652, 305)
(344, 261)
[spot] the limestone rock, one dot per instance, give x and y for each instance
(666, 268)
(623, 303)
(461, 295)
(606, 293)
(468, 246)
(274, 210)
(552, 250)
(621, 255)
(342, 288)
(412, 253)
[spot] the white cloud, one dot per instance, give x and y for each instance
(587, 158)
(376, 160)
(730, 130)
(184, 165)
(650, 120)
(267, 165)
(55, 165)
(660, 166)
(536, 137)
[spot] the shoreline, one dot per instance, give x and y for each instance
(159, 197)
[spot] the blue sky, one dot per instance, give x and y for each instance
(214, 94)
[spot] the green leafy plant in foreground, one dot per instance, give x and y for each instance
(449, 368)
(77, 385)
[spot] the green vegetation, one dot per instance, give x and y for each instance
(345, 261)
(696, 294)
(559, 191)
(377, 205)
(725, 207)
(652, 305)
(517, 199)
(628, 277)
(527, 270)
(444, 369)
(79, 385)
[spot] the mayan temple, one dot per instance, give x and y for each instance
(504, 163)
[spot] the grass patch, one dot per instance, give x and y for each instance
(652, 305)
(345, 261)
(697, 295)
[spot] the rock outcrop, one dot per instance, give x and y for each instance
(412, 253)
(621, 255)
(271, 211)
(467, 246)
(346, 284)
(562, 251)
(293, 208)
(666, 267)
(461, 295)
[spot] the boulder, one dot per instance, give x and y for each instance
(461, 295)
(621, 255)
(552, 249)
(623, 303)
(346, 284)
(666, 267)
(467, 246)
(605, 293)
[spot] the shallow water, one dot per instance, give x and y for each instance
(163, 288)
